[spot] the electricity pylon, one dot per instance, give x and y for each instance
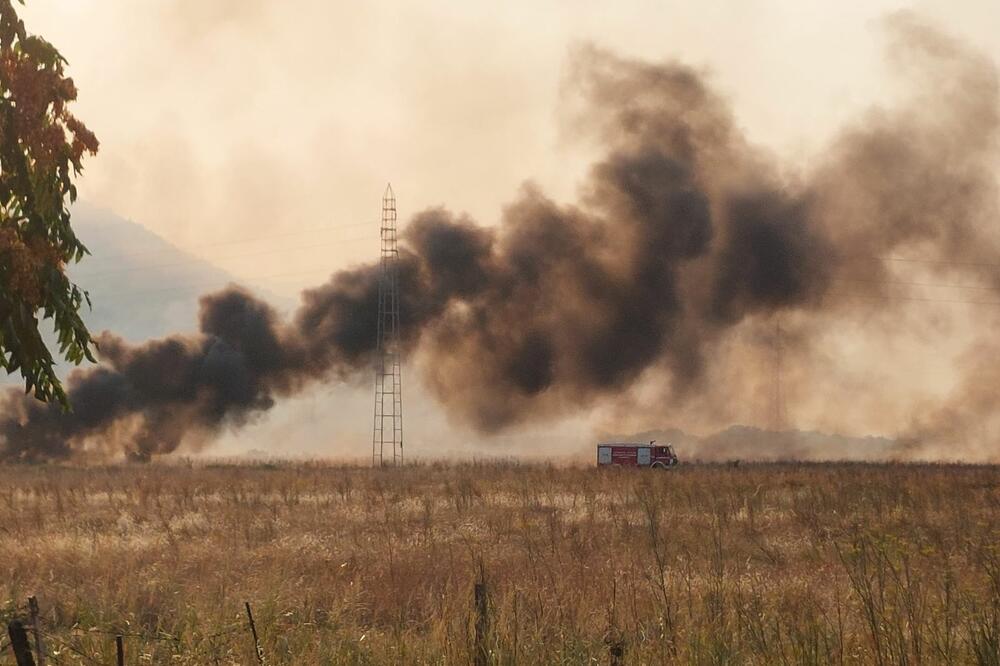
(387, 438)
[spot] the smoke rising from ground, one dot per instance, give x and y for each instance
(683, 234)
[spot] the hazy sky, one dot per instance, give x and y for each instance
(229, 119)
(222, 120)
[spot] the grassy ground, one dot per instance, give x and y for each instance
(763, 564)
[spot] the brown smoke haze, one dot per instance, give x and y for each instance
(686, 248)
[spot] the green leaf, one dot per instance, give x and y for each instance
(34, 194)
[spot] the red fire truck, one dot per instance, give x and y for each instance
(615, 454)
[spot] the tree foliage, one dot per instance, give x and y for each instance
(42, 146)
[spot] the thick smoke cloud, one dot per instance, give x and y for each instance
(683, 233)
(148, 399)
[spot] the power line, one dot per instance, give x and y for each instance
(196, 285)
(275, 251)
(917, 284)
(188, 249)
(279, 250)
(943, 262)
(877, 297)
(211, 283)
(195, 260)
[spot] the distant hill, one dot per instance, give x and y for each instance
(746, 442)
(140, 285)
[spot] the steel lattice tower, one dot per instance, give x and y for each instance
(387, 438)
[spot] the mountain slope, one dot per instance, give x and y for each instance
(140, 285)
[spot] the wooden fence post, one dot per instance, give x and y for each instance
(253, 630)
(120, 649)
(19, 643)
(36, 630)
(616, 650)
(481, 602)
(614, 638)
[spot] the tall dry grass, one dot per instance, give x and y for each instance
(764, 564)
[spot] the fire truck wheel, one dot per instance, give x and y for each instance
(658, 465)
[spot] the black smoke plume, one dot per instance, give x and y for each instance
(683, 232)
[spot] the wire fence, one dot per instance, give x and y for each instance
(60, 645)
(31, 635)
(68, 647)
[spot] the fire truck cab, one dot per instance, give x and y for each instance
(623, 454)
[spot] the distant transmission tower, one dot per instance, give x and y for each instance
(779, 397)
(387, 438)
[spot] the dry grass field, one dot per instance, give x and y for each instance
(760, 564)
